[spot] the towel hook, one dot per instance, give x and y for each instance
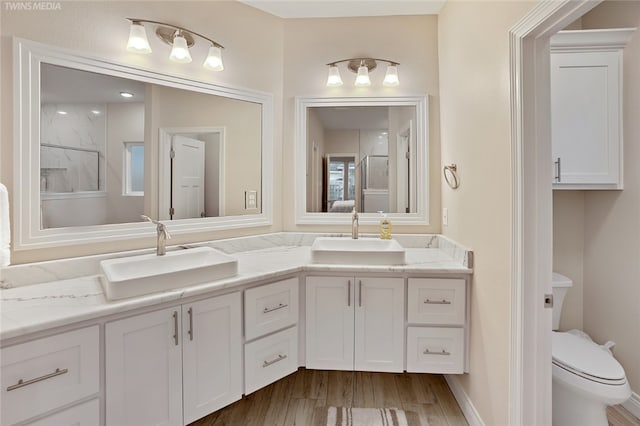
(451, 175)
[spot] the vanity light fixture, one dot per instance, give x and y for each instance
(362, 67)
(180, 39)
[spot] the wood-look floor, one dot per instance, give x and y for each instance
(292, 400)
(619, 416)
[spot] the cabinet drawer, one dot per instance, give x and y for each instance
(85, 414)
(270, 358)
(270, 307)
(47, 373)
(435, 350)
(436, 301)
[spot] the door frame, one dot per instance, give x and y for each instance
(165, 138)
(532, 238)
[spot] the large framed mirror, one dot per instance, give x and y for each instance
(368, 154)
(99, 143)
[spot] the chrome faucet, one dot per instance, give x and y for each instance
(354, 224)
(163, 235)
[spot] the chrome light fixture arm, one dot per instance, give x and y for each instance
(362, 66)
(182, 30)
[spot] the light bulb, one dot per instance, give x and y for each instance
(391, 77)
(214, 59)
(362, 79)
(180, 50)
(138, 42)
(334, 79)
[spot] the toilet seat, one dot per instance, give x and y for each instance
(586, 359)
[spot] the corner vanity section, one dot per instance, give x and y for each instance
(71, 356)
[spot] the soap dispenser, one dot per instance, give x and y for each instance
(385, 226)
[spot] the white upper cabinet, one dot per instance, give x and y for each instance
(586, 108)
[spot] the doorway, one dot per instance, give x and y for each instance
(530, 371)
(191, 172)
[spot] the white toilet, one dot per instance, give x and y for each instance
(586, 377)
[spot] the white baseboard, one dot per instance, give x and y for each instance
(469, 411)
(633, 404)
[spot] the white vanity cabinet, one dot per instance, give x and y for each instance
(586, 108)
(43, 375)
(184, 358)
(355, 323)
(271, 333)
(437, 323)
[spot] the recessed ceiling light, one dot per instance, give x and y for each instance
(95, 112)
(126, 94)
(62, 112)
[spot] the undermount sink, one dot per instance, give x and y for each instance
(361, 251)
(149, 273)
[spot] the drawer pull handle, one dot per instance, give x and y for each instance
(437, 302)
(428, 352)
(280, 306)
(175, 328)
(22, 383)
(268, 363)
(190, 312)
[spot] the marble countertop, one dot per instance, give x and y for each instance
(66, 297)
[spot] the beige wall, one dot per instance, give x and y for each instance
(125, 123)
(242, 121)
(568, 252)
(312, 43)
(473, 43)
(99, 28)
(612, 218)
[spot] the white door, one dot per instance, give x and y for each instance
(329, 322)
(379, 324)
(144, 370)
(187, 178)
(212, 355)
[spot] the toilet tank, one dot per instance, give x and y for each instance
(560, 285)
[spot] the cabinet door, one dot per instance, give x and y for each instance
(585, 119)
(379, 324)
(329, 322)
(144, 370)
(212, 355)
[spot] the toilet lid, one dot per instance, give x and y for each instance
(585, 358)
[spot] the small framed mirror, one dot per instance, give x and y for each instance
(367, 154)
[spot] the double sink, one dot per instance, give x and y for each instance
(149, 273)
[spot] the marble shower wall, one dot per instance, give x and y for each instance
(81, 126)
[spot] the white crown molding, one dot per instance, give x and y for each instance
(592, 39)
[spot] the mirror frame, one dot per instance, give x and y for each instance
(420, 217)
(27, 57)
